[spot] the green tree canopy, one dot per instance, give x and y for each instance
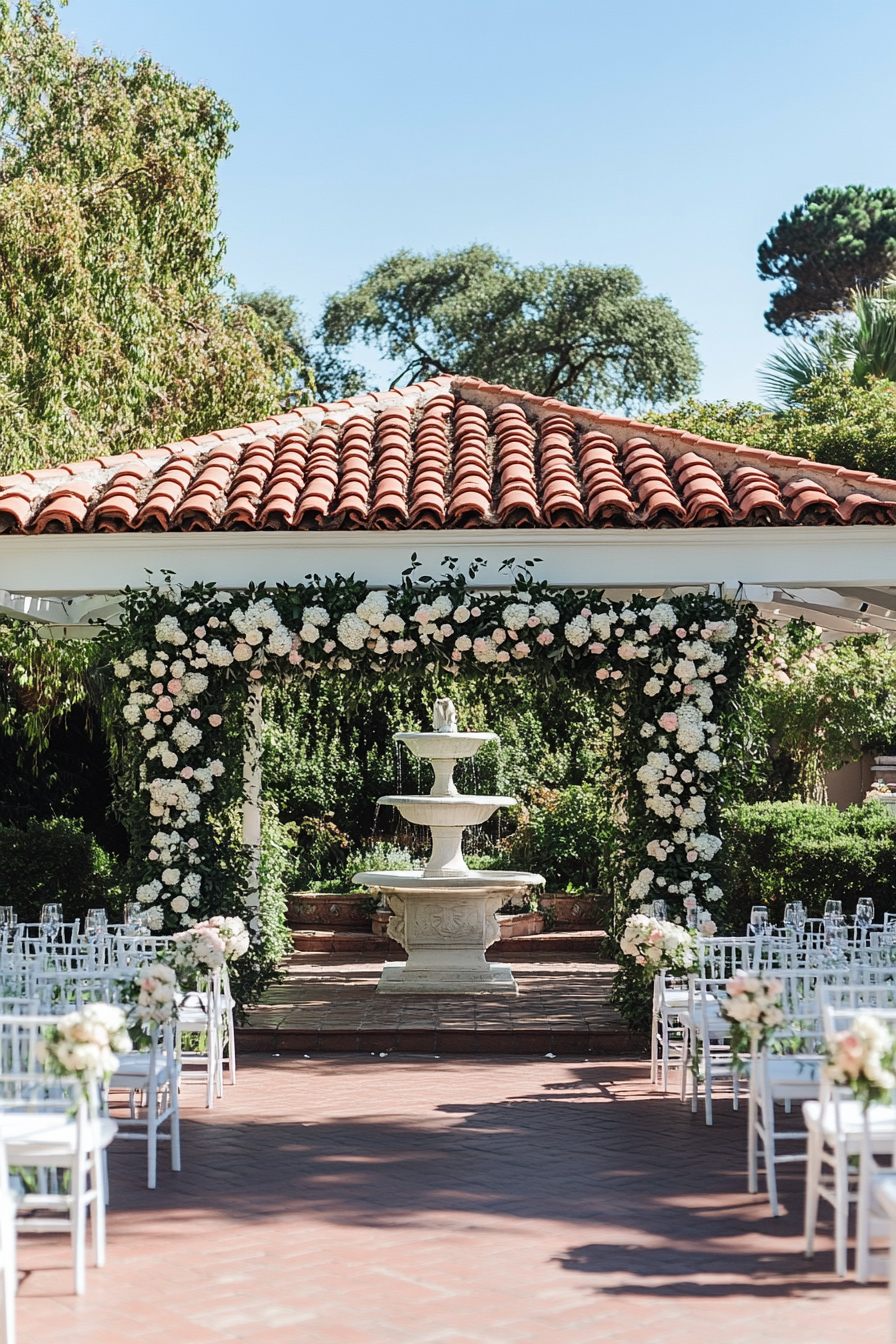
(113, 330)
(588, 334)
(839, 239)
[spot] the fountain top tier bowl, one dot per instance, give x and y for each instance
(443, 748)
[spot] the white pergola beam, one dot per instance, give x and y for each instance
(66, 566)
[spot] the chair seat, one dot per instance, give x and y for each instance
(134, 1069)
(794, 1071)
(31, 1138)
(881, 1120)
(674, 998)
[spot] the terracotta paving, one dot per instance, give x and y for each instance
(328, 1003)
(408, 1200)
(447, 453)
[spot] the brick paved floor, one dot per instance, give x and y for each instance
(406, 1200)
(327, 1003)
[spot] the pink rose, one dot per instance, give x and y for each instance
(720, 680)
(153, 714)
(708, 928)
(215, 720)
(681, 632)
(187, 772)
(691, 856)
(194, 714)
(602, 673)
(545, 637)
(615, 676)
(669, 722)
(499, 635)
(521, 650)
(174, 686)
(690, 902)
(512, 634)
(255, 674)
(456, 655)
(158, 688)
(475, 611)
(586, 612)
(165, 704)
(502, 657)
(655, 629)
(329, 646)
(199, 632)
(533, 621)
(153, 853)
(295, 658)
(596, 648)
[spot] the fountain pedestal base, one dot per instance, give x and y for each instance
(445, 924)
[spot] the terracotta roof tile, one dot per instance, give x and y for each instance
(453, 453)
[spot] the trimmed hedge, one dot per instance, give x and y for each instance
(56, 861)
(780, 852)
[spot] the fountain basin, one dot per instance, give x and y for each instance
(456, 809)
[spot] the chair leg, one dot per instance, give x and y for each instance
(10, 1277)
(707, 1081)
(231, 1044)
(98, 1209)
(813, 1176)
(768, 1155)
(841, 1208)
(752, 1141)
(152, 1132)
(863, 1219)
(79, 1225)
(174, 1122)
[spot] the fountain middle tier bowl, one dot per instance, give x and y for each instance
(444, 746)
(448, 810)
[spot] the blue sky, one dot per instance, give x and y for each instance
(666, 137)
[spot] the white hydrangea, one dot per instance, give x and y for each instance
(712, 894)
(168, 631)
(171, 877)
(132, 714)
(186, 735)
(194, 683)
(706, 845)
(515, 615)
(158, 668)
(663, 615)
(352, 631)
(663, 807)
(154, 918)
(373, 609)
(309, 633)
(640, 888)
(279, 642)
(547, 613)
(577, 631)
(647, 730)
(463, 643)
(653, 687)
(600, 624)
(690, 736)
(191, 885)
(708, 761)
(485, 650)
(180, 905)
(462, 615)
(315, 616)
(149, 891)
(685, 670)
(441, 607)
(121, 669)
(218, 655)
(392, 624)
(138, 658)
(628, 617)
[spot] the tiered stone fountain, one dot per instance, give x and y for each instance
(445, 916)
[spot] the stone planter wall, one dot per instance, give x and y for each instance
(575, 912)
(522, 925)
(321, 910)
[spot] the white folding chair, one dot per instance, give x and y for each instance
(53, 1124)
(153, 1076)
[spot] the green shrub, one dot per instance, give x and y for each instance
(570, 838)
(780, 852)
(56, 861)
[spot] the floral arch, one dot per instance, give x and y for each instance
(190, 665)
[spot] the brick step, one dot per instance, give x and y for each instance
(531, 947)
(612, 1040)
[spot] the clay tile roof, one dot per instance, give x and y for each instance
(447, 453)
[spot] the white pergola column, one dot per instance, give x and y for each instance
(254, 724)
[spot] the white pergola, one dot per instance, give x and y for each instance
(841, 578)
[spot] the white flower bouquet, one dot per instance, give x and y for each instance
(208, 945)
(658, 943)
(753, 1009)
(83, 1045)
(863, 1058)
